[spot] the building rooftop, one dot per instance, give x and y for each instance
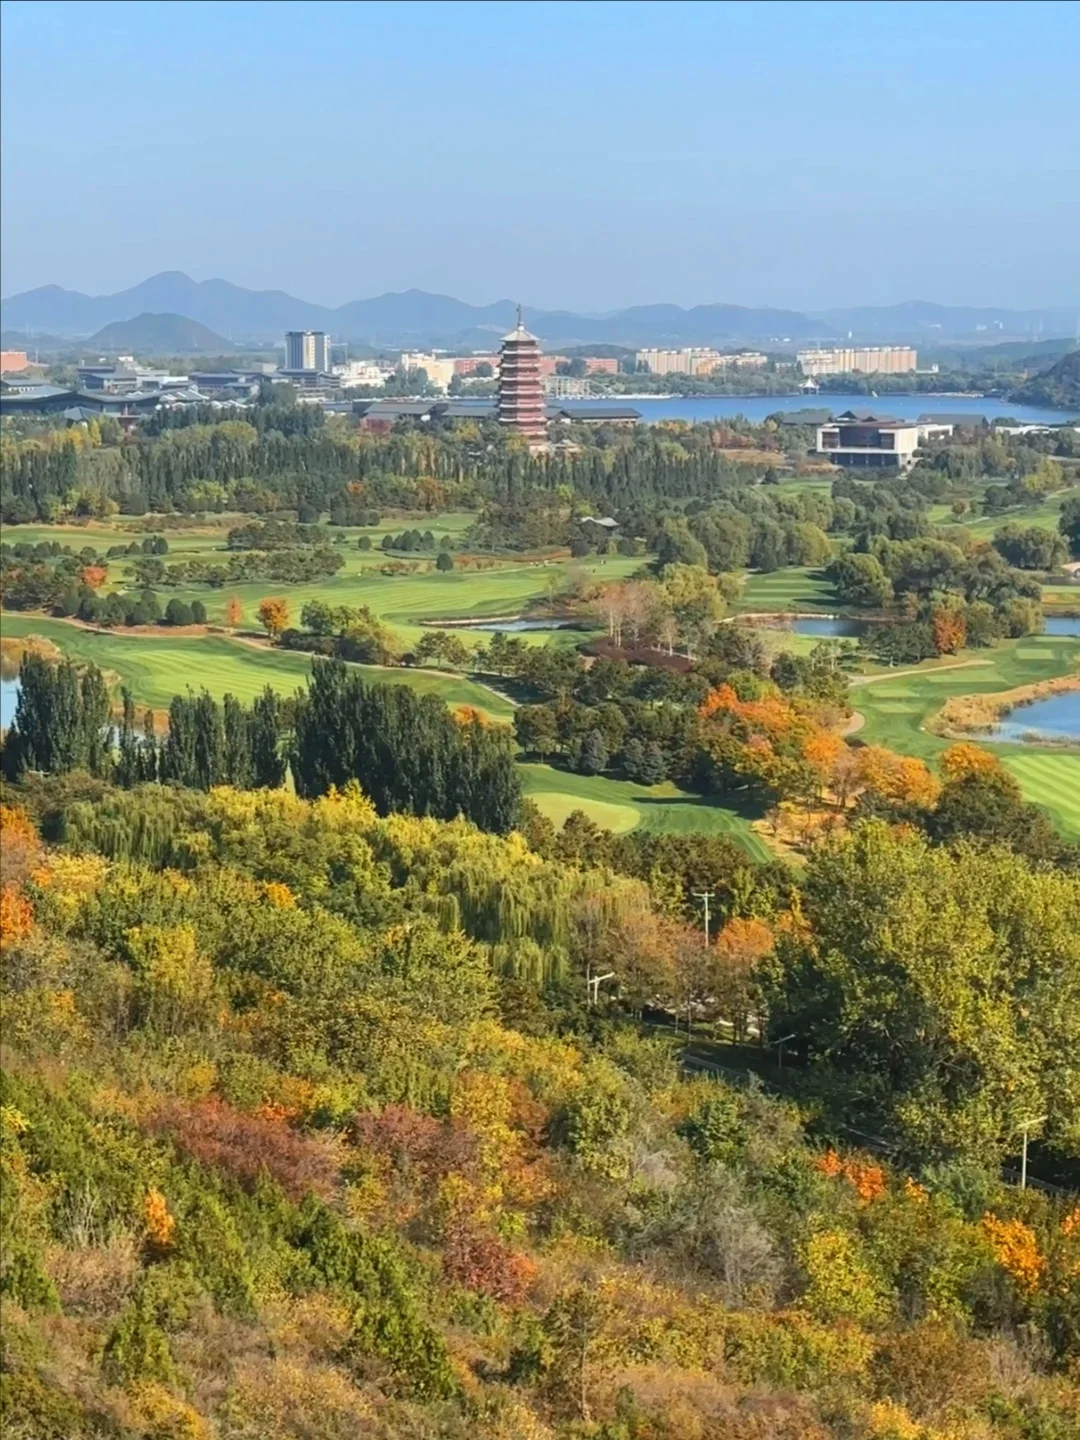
(805, 417)
(866, 417)
(29, 394)
(594, 412)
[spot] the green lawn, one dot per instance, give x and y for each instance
(401, 601)
(1047, 515)
(621, 805)
(897, 708)
(1051, 779)
(156, 668)
(792, 589)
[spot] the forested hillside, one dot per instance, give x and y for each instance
(309, 1130)
(1058, 385)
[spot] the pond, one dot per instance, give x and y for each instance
(829, 627)
(504, 626)
(825, 627)
(1055, 718)
(9, 690)
(1062, 625)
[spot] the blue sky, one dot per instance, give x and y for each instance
(574, 154)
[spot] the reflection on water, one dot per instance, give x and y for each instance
(830, 627)
(1055, 718)
(9, 690)
(509, 626)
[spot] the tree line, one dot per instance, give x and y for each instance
(409, 752)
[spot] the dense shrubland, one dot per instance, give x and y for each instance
(308, 1130)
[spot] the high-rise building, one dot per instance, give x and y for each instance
(307, 350)
(521, 389)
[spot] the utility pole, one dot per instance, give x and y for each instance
(1028, 1125)
(593, 983)
(705, 896)
(780, 1049)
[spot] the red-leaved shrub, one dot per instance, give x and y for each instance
(245, 1146)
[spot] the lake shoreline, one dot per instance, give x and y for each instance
(968, 716)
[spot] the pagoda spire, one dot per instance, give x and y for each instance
(521, 404)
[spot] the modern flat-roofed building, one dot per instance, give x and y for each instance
(858, 360)
(861, 440)
(124, 380)
(307, 350)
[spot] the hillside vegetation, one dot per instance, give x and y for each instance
(1059, 385)
(309, 1131)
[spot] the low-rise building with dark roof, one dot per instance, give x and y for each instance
(594, 414)
(34, 400)
(803, 417)
(959, 420)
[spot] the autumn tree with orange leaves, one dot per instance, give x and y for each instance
(273, 613)
(740, 947)
(949, 630)
(960, 761)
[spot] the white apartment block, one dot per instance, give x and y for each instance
(859, 360)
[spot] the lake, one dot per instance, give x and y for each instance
(1055, 718)
(9, 690)
(700, 408)
(506, 627)
(1062, 625)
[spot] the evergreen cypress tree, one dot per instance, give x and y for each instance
(266, 760)
(236, 765)
(128, 769)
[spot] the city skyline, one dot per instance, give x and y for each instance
(763, 155)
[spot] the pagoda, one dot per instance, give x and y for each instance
(521, 390)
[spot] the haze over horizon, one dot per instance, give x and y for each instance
(772, 155)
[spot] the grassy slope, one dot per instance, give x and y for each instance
(1047, 515)
(402, 601)
(793, 589)
(620, 805)
(156, 668)
(898, 708)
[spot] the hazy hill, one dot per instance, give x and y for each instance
(1060, 385)
(922, 320)
(415, 317)
(158, 335)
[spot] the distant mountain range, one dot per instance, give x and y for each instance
(414, 317)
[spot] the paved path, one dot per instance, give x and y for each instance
(900, 674)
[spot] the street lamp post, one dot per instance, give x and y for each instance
(593, 983)
(780, 1049)
(705, 896)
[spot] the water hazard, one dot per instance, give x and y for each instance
(1056, 718)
